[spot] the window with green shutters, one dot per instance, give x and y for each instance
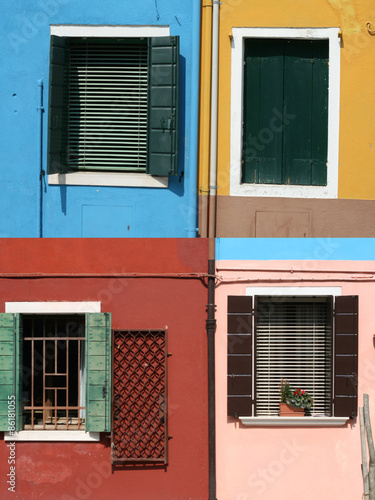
(113, 105)
(57, 369)
(285, 112)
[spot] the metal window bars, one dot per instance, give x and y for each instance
(53, 378)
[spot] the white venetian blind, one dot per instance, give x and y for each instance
(108, 82)
(293, 342)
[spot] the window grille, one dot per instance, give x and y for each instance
(139, 429)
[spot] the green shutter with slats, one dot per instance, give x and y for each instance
(98, 372)
(58, 106)
(10, 374)
(162, 158)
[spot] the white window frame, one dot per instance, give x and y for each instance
(286, 291)
(286, 191)
(115, 179)
(52, 308)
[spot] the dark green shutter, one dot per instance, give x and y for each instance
(239, 356)
(10, 363)
(162, 158)
(263, 101)
(98, 372)
(58, 105)
(346, 356)
(305, 112)
(285, 131)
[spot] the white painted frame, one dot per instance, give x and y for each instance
(52, 308)
(266, 190)
(115, 179)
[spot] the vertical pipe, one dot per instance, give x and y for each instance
(192, 174)
(41, 170)
(211, 321)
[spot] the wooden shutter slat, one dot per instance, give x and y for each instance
(162, 153)
(98, 372)
(10, 375)
(346, 356)
(239, 356)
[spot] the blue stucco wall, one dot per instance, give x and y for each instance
(295, 249)
(79, 211)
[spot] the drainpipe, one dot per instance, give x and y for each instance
(211, 321)
(41, 171)
(192, 208)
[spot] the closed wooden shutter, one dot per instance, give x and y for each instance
(162, 158)
(10, 369)
(58, 106)
(346, 356)
(306, 109)
(98, 372)
(285, 132)
(239, 356)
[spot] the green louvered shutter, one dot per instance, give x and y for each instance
(58, 106)
(98, 372)
(162, 158)
(10, 363)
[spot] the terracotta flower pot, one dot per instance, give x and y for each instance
(290, 411)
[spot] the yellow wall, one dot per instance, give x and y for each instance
(357, 89)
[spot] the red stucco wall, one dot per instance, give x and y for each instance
(82, 470)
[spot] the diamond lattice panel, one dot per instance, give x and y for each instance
(139, 406)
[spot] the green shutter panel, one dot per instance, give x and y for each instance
(10, 377)
(98, 372)
(162, 158)
(263, 111)
(58, 105)
(346, 356)
(239, 356)
(305, 112)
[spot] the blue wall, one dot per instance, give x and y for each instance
(295, 249)
(79, 211)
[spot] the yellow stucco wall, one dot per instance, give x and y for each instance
(357, 86)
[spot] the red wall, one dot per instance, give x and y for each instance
(82, 470)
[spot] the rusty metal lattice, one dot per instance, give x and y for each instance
(139, 413)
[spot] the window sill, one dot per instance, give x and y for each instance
(294, 421)
(52, 436)
(115, 179)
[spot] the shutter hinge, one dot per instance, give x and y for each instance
(105, 391)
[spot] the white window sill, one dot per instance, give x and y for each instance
(115, 179)
(294, 421)
(52, 436)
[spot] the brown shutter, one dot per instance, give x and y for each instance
(239, 356)
(346, 356)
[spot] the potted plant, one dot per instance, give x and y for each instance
(293, 402)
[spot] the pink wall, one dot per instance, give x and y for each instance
(321, 462)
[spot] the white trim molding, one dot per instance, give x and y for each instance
(52, 436)
(285, 191)
(294, 421)
(115, 179)
(52, 307)
(308, 291)
(108, 31)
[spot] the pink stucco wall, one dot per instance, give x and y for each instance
(275, 462)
